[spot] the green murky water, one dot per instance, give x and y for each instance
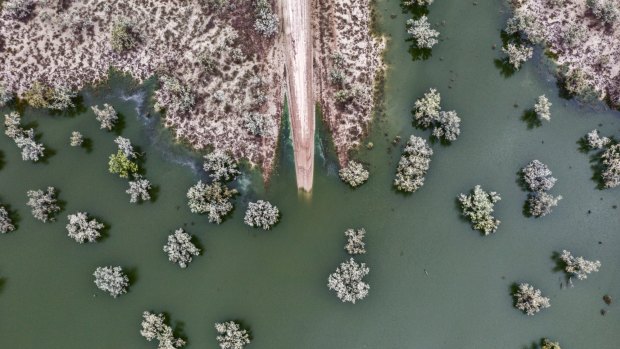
(275, 282)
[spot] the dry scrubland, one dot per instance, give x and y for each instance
(221, 82)
(348, 68)
(586, 44)
(210, 55)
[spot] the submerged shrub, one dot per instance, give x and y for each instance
(541, 203)
(354, 174)
(426, 109)
(261, 214)
(44, 205)
(231, 335)
(180, 248)
(447, 126)
(478, 208)
(81, 229)
(595, 141)
(348, 282)
(221, 166)
(124, 145)
(139, 189)
(355, 241)
(529, 300)
(579, 266)
(413, 164)
(579, 84)
(76, 139)
(548, 344)
(154, 327)
(212, 199)
(422, 33)
(111, 280)
(417, 2)
(24, 139)
(517, 54)
(611, 164)
(106, 116)
(5, 95)
(541, 108)
(6, 224)
(120, 164)
(538, 176)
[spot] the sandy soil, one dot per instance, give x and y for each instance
(298, 48)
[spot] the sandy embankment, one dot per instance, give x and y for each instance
(298, 50)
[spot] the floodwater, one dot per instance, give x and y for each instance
(435, 283)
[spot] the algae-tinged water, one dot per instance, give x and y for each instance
(435, 283)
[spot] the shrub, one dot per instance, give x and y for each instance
(447, 126)
(426, 109)
(123, 35)
(261, 214)
(17, 9)
(266, 22)
(478, 208)
(124, 145)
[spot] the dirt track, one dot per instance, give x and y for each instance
(297, 16)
